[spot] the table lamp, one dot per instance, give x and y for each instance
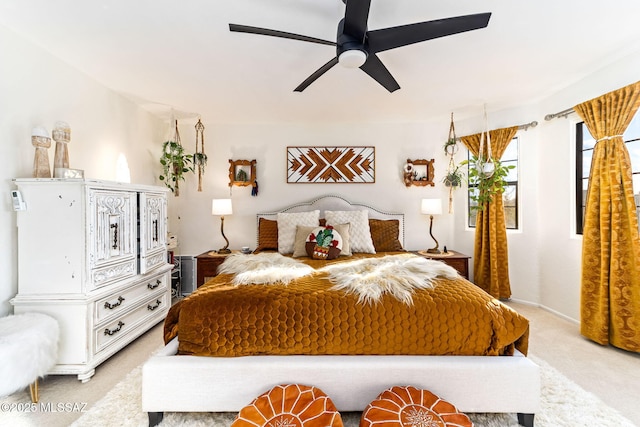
(222, 207)
(432, 207)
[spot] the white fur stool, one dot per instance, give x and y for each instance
(28, 349)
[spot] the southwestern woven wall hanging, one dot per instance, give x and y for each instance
(347, 165)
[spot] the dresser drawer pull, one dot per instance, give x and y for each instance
(115, 235)
(111, 332)
(153, 307)
(155, 230)
(152, 286)
(115, 304)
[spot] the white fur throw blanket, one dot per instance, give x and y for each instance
(398, 275)
(263, 268)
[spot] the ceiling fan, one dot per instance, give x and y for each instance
(356, 46)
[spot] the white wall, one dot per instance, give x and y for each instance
(198, 231)
(38, 89)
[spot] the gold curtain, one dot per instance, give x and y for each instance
(610, 292)
(491, 258)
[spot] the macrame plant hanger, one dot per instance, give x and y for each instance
(486, 166)
(451, 148)
(176, 139)
(199, 157)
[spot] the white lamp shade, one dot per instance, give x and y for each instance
(221, 207)
(432, 206)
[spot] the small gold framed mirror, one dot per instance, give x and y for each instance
(242, 172)
(419, 172)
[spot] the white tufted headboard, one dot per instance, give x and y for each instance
(336, 203)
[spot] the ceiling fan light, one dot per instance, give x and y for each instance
(353, 58)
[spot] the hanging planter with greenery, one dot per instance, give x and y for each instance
(487, 176)
(175, 163)
(487, 185)
(451, 146)
(199, 158)
(453, 178)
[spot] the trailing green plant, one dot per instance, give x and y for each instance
(487, 185)
(175, 164)
(450, 147)
(454, 177)
(200, 160)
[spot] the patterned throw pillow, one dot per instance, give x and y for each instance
(409, 406)
(324, 243)
(287, 223)
(290, 405)
(359, 233)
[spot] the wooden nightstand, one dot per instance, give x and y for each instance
(207, 266)
(455, 259)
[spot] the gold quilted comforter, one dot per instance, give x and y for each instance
(308, 317)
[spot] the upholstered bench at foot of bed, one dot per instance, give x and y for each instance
(493, 384)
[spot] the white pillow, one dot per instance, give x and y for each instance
(359, 232)
(287, 223)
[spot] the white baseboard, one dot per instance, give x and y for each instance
(550, 310)
(557, 313)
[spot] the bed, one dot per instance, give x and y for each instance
(199, 374)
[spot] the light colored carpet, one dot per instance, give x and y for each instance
(564, 404)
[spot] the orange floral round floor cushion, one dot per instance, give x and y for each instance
(290, 405)
(411, 407)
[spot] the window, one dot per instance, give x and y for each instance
(510, 195)
(584, 153)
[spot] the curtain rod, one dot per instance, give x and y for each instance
(563, 113)
(528, 125)
(520, 127)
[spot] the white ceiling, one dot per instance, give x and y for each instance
(181, 54)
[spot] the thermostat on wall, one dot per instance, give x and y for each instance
(18, 203)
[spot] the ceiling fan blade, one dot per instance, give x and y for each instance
(376, 69)
(313, 77)
(390, 38)
(355, 18)
(275, 33)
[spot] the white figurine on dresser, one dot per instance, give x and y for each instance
(92, 254)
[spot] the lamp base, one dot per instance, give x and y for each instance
(434, 251)
(223, 251)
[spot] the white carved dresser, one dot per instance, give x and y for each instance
(92, 254)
